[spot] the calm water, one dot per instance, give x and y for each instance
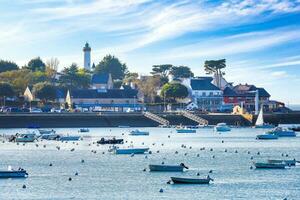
(109, 176)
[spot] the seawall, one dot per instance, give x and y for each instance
(57, 120)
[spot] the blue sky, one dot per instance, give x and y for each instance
(259, 39)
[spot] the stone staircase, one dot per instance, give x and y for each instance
(156, 118)
(195, 118)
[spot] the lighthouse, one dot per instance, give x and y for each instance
(87, 56)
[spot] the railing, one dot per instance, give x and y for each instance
(156, 118)
(195, 118)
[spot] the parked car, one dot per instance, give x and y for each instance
(13, 110)
(25, 110)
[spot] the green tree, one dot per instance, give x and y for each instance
(6, 90)
(44, 91)
(73, 77)
(215, 67)
(162, 71)
(111, 65)
(181, 72)
(131, 78)
(174, 91)
(7, 66)
(148, 87)
(36, 64)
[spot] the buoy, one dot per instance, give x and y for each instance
(225, 150)
(213, 156)
(248, 152)
(142, 143)
(251, 158)
(36, 145)
(146, 156)
(286, 155)
(72, 149)
(144, 169)
(222, 141)
(211, 149)
(198, 174)
(198, 155)
(132, 155)
(70, 178)
(282, 154)
(76, 174)
(185, 154)
(190, 147)
(162, 144)
(50, 164)
(176, 152)
(236, 151)
(23, 144)
(169, 182)
(161, 190)
(82, 161)
(258, 153)
(44, 146)
(169, 136)
(251, 167)
(150, 152)
(157, 151)
(210, 171)
(162, 163)
(24, 186)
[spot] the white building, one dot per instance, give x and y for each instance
(87, 56)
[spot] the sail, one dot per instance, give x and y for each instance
(260, 118)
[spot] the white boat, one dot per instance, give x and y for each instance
(287, 162)
(52, 136)
(46, 131)
(267, 137)
(84, 130)
(10, 173)
(25, 137)
(138, 132)
(270, 165)
(282, 132)
(260, 121)
(69, 138)
(129, 150)
(167, 168)
(222, 127)
(180, 180)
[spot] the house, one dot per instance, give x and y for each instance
(245, 94)
(120, 100)
(101, 81)
(204, 93)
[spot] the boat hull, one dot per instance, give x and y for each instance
(178, 180)
(23, 139)
(13, 174)
(69, 138)
(267, 137)
(166, 168)
(131, 151)
(222, 129)
(110, 141)
(185, 130)
(287, 162)
(270, 165)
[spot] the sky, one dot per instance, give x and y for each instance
(260, 39)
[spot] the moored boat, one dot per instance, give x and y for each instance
(167, 168)
(25, 137)
(138, 132)
(110, 141)
(84, 130)
(185, 130)
(180, 180)
(282, 132)
(267, 137)
(287, 162)
(69, 138)
(46, 131)
(222, 127)
(10, 173)
(129, 150)
(269, 165)
(260, 121)
(52, 136)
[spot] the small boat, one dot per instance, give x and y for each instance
(270, 165)
(167, 168)
(46, 131)
(267, 137)
(84, 130)
(69, 138)
(129, 150)
(52, 136)
(287, 162)
(25, 137)
(297, 129)
(10, 173)
(222, 127)
(180, 180)
(121, 126)
(260, 121)
(138, 132)
(185, 130)
(282, 132)
(110, 141)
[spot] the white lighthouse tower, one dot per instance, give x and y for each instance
(87, 56)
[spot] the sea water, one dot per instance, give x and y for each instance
(104, 175)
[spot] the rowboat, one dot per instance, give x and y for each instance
(180, 180)
(267, 137)
(287, 162)
(10, 173)
(167, 168)
(110, 141)
(270, 165)
(129, 150)
(222, 127)
(185, 130)
(138, 132)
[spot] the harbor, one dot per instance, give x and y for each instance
(76, 168)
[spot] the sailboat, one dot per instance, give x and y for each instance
(260, 120)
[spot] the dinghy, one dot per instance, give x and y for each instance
(180, 180)
(10, 173)
(267, 137)
(260, 121)
(167, 168)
